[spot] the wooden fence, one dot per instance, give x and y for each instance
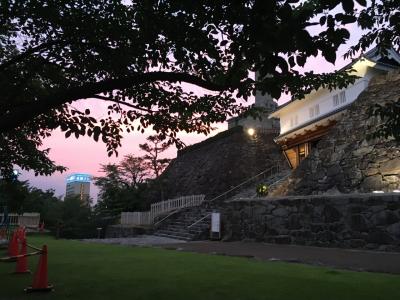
(159, 208)
(26, 219)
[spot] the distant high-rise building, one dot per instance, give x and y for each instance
(78, 184)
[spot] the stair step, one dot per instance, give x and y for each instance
(187, 224)
(177, 226)
(183, 232)
(172, 236)
(176, 233)
(180, 223)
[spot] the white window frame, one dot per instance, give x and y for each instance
(336, 100)
(311, 112)
(294, 121)
(342, 97)
(316, 110)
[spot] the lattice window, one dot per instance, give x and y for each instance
(335, 100)
(314, 111)
(342, 97)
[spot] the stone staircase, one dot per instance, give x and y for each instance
(271, 181)
(176, 226)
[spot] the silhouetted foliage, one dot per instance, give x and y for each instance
(19, 197)
(123, 186)
(136, 54)
(77, 220)
(73, 218)
(131, 184)
(153, 149)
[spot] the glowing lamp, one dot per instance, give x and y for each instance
(251, 131)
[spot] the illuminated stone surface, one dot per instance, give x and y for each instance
(346, 161)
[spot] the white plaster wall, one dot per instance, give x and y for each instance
(324, 99)
(300, 109)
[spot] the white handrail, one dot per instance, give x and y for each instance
(246, 181)
(26, 219)
(166, 217)
(160, 208)
(279, 180)
(199, 220)
(277, 167)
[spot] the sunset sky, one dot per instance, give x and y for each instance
(85, 155)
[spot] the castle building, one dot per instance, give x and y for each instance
(303, 122)
(78, 184)
(262, 123)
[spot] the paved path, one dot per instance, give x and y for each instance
(142, 240)
(386, 262)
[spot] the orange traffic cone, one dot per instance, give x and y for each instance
(21, 233)
(18, 233)
(13, 245)
(41, 226)
(22, 262)
(40, 280)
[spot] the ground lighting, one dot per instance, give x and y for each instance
(251, 131)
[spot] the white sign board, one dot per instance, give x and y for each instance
(215, 222)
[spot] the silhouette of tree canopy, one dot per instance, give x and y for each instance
(122, 186)
(135, 55)
(153, 148)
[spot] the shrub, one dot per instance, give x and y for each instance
(262, 190)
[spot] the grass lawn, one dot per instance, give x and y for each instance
(91, 271)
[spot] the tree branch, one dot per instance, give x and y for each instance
(25, 54)
(123, 103)
(16, 117)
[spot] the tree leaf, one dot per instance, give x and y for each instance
(322, 20)
(348, 5)
(362, 2)
(301, 60)
(329, 54)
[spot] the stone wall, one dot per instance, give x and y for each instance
(369, 221)
(345, 160)
(220, 163)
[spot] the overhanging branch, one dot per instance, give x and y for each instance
(19, 115)
(123, 103)
(27, 53)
